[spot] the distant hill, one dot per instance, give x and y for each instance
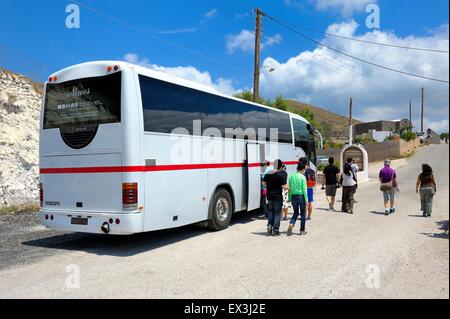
(333, 126)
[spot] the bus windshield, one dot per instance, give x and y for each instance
(87, 101)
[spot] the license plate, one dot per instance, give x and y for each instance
(79, 221)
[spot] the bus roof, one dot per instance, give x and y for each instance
(70, 73)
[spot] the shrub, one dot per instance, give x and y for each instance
(408, 136)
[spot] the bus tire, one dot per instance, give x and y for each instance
(220, 210)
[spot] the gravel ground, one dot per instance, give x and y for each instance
(335, 259)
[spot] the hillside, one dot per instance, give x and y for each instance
(19, 139)
(333, 126)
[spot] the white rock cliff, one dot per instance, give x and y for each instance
(19, 139)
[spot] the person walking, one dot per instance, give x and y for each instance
(388, 185)
(286, 202)
(348, 181)
(275, 181)
(353, 165)
(310, 176)
(355, 170)
(330, 182)
(426, 185)
(264, 204)
(298, 195)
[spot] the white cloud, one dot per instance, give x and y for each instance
(186, 72)
(245, 41)
(211, 13)
(269, 41)
(437, 126)
(346, 7)
(323, 78)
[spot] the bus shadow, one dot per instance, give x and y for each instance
(129, 245)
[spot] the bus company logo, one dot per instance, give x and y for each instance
(54, 203)
(77, 93)
(79, 129)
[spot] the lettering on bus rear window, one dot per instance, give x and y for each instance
(86, 101)
(169, 106)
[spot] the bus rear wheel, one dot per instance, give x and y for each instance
(220, 210)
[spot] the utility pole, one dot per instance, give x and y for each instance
(410, 118)
(421, 113)
(350, 126)
(259, 13)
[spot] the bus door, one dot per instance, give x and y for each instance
(253, 176)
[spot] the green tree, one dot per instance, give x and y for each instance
(248, 96)
(244, 95)
(280, 103)
(406, 134)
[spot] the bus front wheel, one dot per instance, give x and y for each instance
(220, 210)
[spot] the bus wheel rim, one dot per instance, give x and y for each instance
(222, 209)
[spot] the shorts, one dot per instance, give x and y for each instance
(310, 195)
(286, 203)
(330, 190)
(389, 195)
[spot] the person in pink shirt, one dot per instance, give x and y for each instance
(388, 185)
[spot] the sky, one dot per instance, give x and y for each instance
(211, 42)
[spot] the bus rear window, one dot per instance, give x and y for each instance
(87, 101)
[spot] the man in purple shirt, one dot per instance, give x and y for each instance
(389, 184)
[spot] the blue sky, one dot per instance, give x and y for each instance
(35, 41)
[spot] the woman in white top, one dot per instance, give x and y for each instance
(348, 181)
(286, 203)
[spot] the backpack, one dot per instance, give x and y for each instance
(310, 178)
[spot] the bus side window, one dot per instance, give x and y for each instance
(301, 135)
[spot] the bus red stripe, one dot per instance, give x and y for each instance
(157, 168)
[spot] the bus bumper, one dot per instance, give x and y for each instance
(73, 221)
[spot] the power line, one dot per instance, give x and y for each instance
(351, 56)
(334, 64)
(159, 38)
(373, 42)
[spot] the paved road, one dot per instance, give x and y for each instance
(335, 259)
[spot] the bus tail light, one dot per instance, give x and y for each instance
(129, 196)
(41, 194)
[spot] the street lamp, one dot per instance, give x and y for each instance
(269, 68)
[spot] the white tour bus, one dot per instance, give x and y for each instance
(125, 149)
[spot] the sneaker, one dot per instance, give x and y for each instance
(424, 214)
(275, 233)
(350, 211)
(308, 218)
(289, 230)
(330, 207)
(303, 232)
(392, 210)
(269, 231)
(387, 211)
(428, 215)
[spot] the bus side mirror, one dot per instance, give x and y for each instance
(308, 127)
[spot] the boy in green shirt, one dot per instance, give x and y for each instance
(298, 195)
